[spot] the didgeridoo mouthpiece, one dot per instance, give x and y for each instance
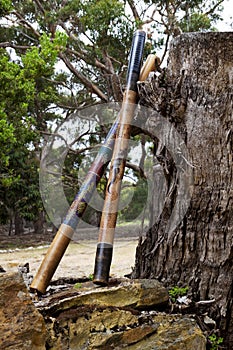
(135, 60)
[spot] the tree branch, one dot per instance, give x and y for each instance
(25, 23)
(214, 7)
(40, 7)
(136, 168)
(142, 160)
(69, 146)
(84, 57)
(151, 18)
(166, 48)
(13, 46)
(83, 79)
(134, 10)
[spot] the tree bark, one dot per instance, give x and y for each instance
(196, 95)
(40, 224)
(19, 229)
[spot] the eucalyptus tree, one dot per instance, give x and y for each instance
(58, 57)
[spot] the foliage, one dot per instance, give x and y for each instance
(215, 341)
(5, 7)
(176, 292)
(134, 195)
(196, 22)
(39, 61)
(57, 57)
(6, 139)
(21, 88)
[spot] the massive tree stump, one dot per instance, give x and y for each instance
(196, 96)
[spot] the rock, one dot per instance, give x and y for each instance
(89, 326)
(174, 332)
(124, 315)
(138, 294)
(209, 321)
(116, 329)
(2, 269)
(21, 325)
(24, 270)
(117, 317)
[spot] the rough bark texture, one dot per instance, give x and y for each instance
(40, 224)
(196, 95)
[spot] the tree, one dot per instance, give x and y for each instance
(90, 40)
(196, 97)
(22, 97)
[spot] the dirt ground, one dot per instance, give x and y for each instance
(78, 260)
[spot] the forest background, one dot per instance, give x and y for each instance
(58, 58)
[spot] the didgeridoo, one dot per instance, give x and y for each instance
(75, 212)
(110, 210)
(77, 209)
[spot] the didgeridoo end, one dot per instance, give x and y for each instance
(50, 262)
(103, 261)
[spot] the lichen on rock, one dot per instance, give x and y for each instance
(123, 315)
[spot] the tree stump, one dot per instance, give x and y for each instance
(196, 96)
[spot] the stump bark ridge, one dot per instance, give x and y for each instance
(195, 94)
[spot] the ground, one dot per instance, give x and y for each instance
(78, 260)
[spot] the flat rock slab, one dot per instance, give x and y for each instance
(138, 294)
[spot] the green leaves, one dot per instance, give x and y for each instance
(7, 139)
(196, 22)
(136, 197)
(5, 7)
(99, 15)
(39, 60)
(176, 292)
(215, 341)
(24, 96)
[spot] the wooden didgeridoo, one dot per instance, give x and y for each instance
(77, 209)
(110, 209)
(75, 212)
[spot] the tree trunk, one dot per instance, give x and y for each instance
(39, 224)
(196, 96)
(19, 229)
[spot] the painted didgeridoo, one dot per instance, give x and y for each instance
(77, 209)
(110, 209)
(75, 212)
